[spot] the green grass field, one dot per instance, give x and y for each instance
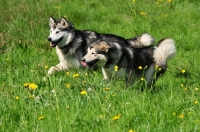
(77, 100)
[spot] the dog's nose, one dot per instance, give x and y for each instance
(49, 39)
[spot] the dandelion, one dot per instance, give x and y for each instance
(196, 102)
(142, 79)
(116, 68)
(86, 74)
(65, 16)
(67, 85)
(106, 88)
(185, 89)
(196, 89)
(83, 92)
(100, 116)
(169, 1)
(46, 67)
(140, 67)
(67, 73)
(7, 59)
(143, 13)
(75, 75)
(159, 69)
(32, 86)
(183, 71)
(174, 114)
(117, 117)
(182, 85)
(131, 130)
(41, 118)
(133, 0)
(26, 85)
(16, 97)
(181, 116)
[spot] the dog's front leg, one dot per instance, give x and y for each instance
(57, 68)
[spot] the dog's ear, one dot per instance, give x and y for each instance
(51, 21)
(65, 23)
(104, 46)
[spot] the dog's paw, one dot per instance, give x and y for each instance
(53, 70)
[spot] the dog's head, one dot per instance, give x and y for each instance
(96, 54)
(61, 30)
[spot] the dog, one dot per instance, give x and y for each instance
(72, 44)
(132, 63)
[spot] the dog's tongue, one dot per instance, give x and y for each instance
(83, 63)
(52, 44)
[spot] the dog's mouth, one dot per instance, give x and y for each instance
(89, 64)
(54, 43)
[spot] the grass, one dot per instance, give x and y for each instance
(25, 56)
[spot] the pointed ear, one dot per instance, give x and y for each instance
(64, 22)
(104, 46)
(51, 21)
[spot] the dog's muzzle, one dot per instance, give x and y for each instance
(88, 64)
(54, 43)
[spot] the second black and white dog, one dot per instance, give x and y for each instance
(133, 63)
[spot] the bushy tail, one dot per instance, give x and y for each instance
(163, 51)
(145, 40)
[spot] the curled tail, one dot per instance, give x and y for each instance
(145, 40)
(163, 51)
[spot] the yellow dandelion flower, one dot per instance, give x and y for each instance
(75, 75)
(41, 118)
(67, 85)
(16, 97)
(65, 16)
(100, 116)
(131, 130)
(182, 71)
(196, 89)
(46, 67)
(133, 0)
(117, 117)
(116, 68)
(196, 102)
(106, 88)
(7, 59)
(181, 116)
(86, 74)
(182, 85)
(185, 89)
(169, 1)
(174, 114)
(140, 67)
(32, 86)
(143, 13)
(26, 85)
(67, 73)
(83, 92)
(142, 79)
(95, 72)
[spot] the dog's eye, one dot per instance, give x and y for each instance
(93, 53)
(57, 31)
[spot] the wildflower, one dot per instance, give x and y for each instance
(32, 86)
(143, 13)
(75, 75)
(169, 1)
(7, 59)
(65, 16)
(174, 114)
(133, 0)
(86, 74)
(142, 79)
(41, 118)
(106, 88)
(116, 68)
(67, 73)
(17, 97)
(131, 130)
(89, 89)
(185, 89)
(100, 116)
(26, 85)
(181, 116)
(182, 85)
(46, 67)
(140, 67)
(67, 85)
(196, 102)
(182, 71)
(83, 92)
(117, 117)
(159, 69)
(196, 89)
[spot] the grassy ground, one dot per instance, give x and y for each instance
(58, 102)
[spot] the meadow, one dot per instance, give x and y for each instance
(77, 100)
